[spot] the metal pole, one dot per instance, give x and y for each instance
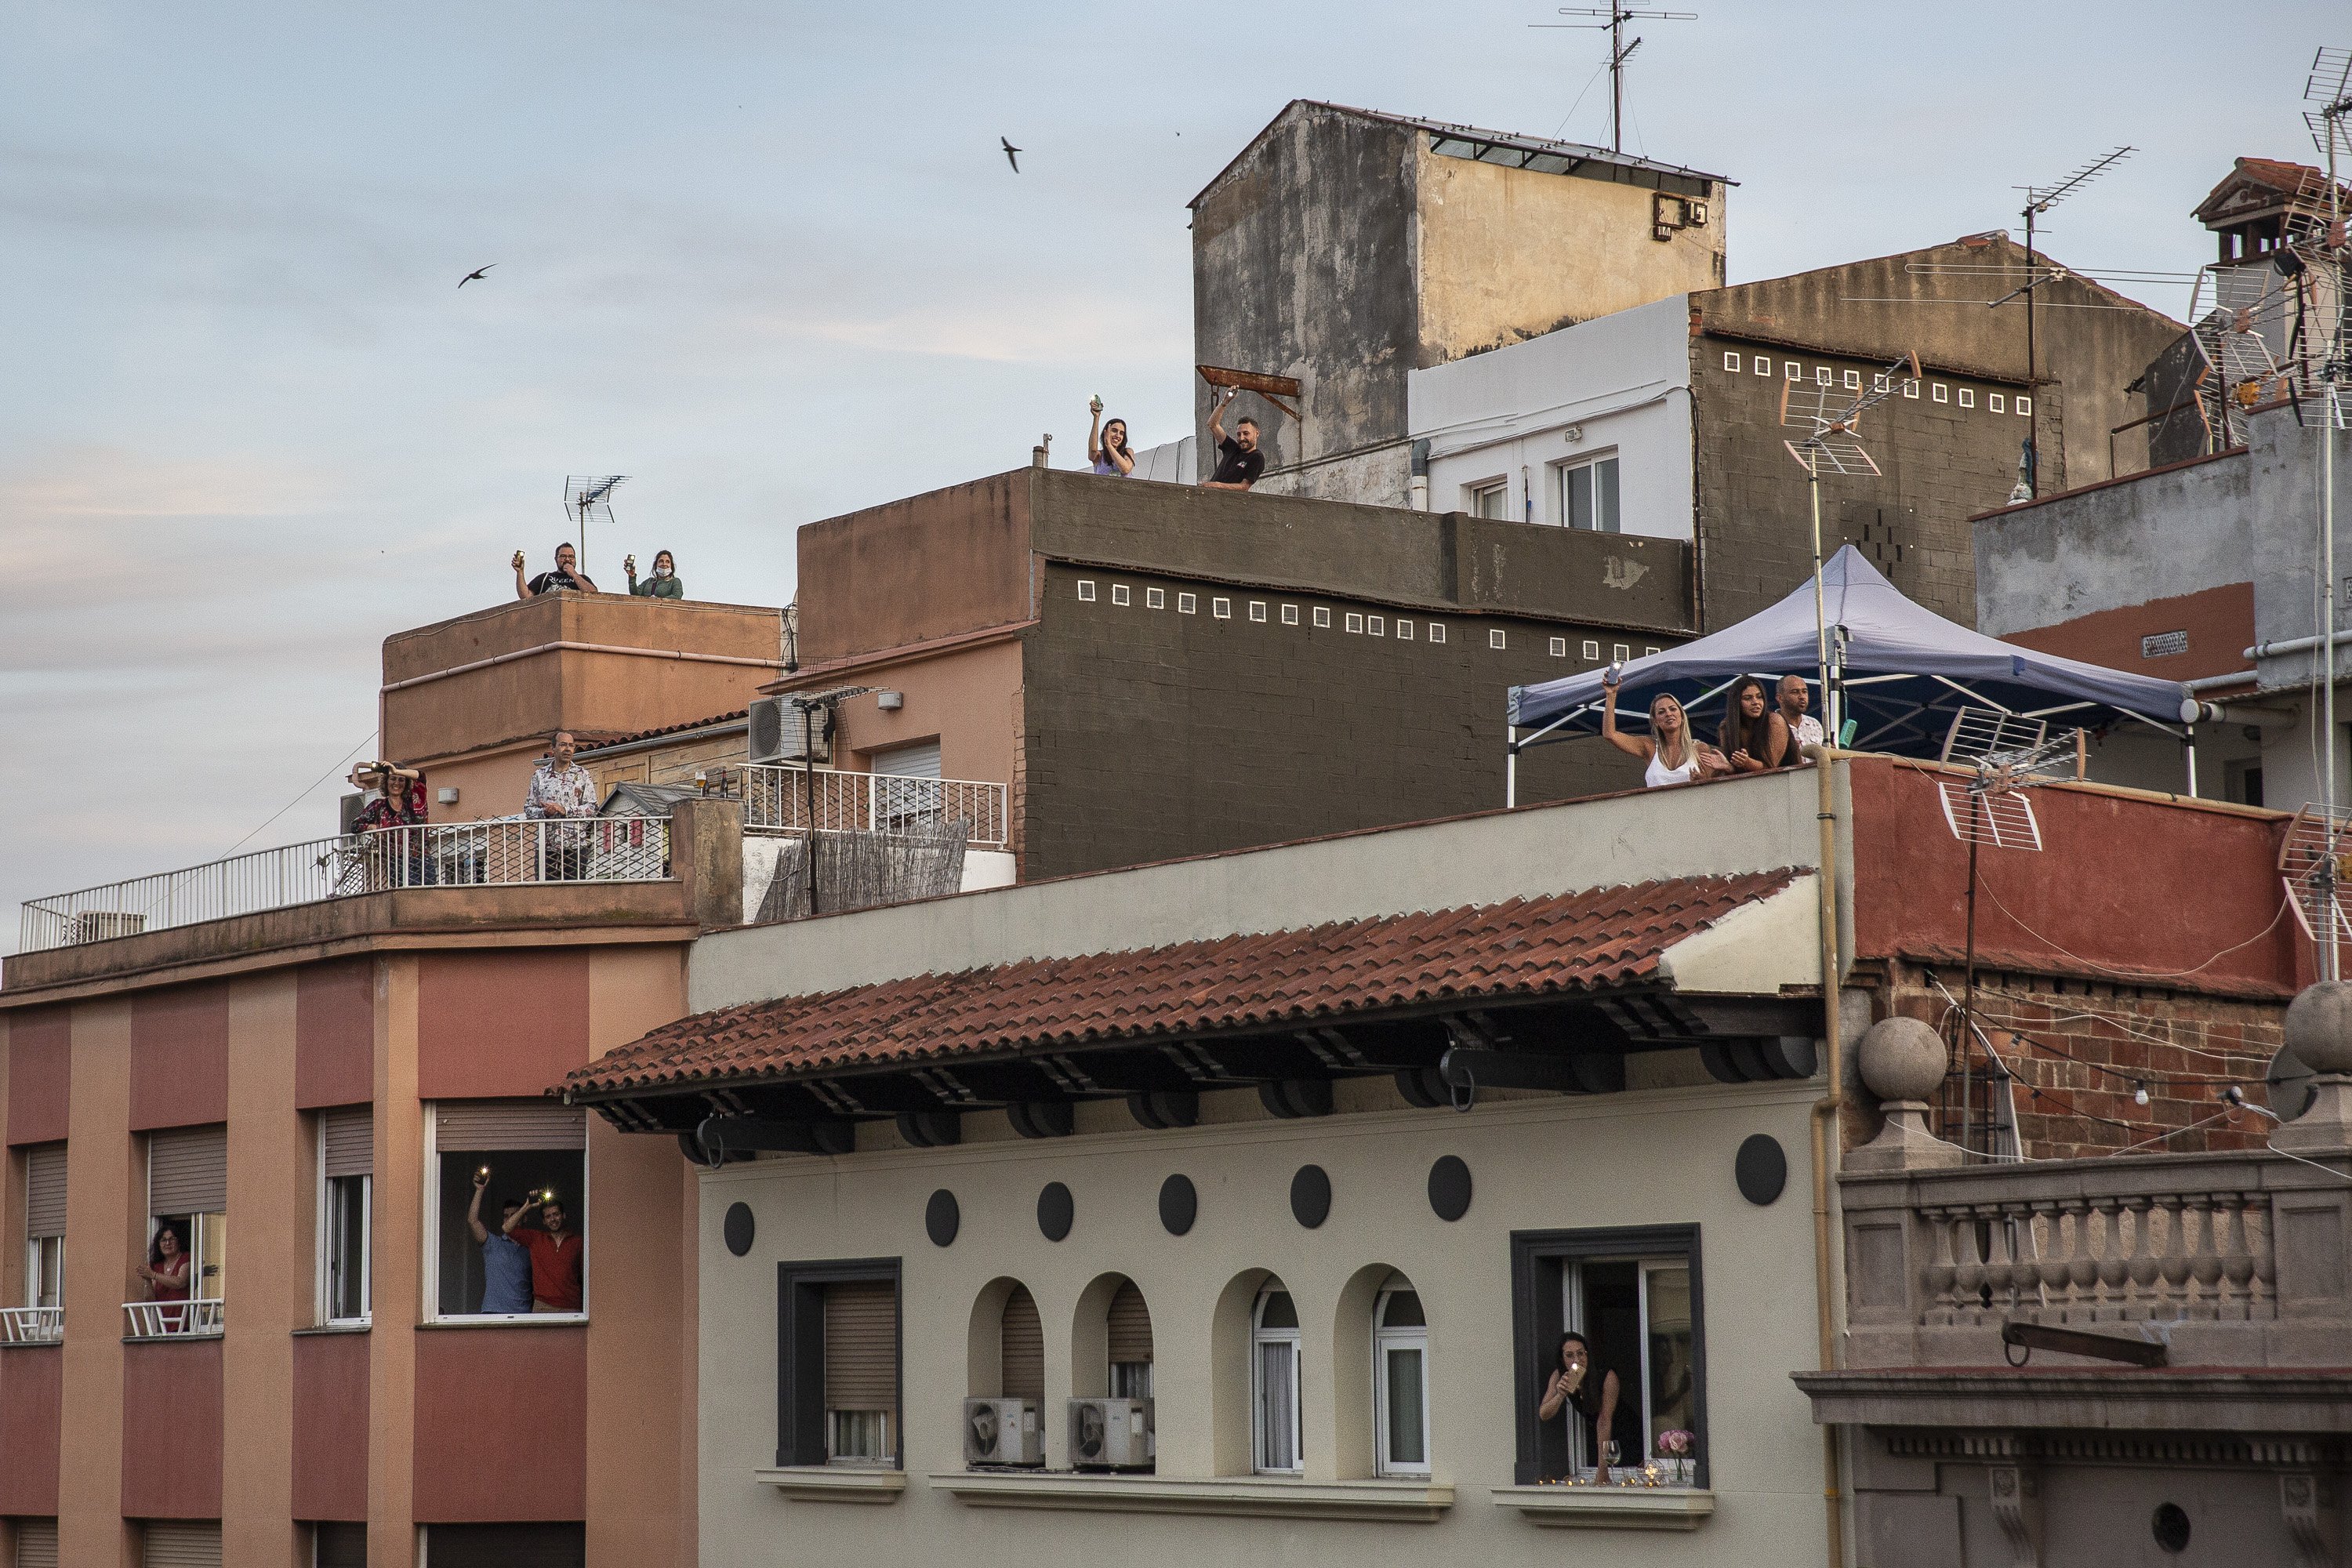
(1826, 1138)
(1616, 78)
(1821, 609)
(1511, 768)
(808, 774)
(2033, 462)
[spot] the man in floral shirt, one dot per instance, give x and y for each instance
(562, 787)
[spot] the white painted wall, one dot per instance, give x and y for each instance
(1621, 382)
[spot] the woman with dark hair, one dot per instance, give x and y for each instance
(166, 1269)
(1572, 1387)
(1107, 446)
(1754, 735)
(664, 583)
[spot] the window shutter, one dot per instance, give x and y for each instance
(340, 1545)
(861, 1346)
(37, 1543)
(916, 762)
(45, 1191)
(351, 1140)
(1021, 1347)
(181, 1543)
(1130, 1325)
(506, 1545)
(487, 1126)
(187, 1171)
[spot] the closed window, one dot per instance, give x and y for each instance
(1403, 630)
(1118, 594)
(340, 1543)
(1730, 361)
(1939, 392)
(1021, 1348)
(837, 1388)
(1289, 614)
(1223, 609)
(44, 1225)
(1355, 622)
(1257, 610)
(1911, 388)
(1631, 1296)
(1968, 397)
(1274, 1384)
(1322, 615)
(1129, 1335)
(1400, 1380)
(1491, 497)
(347, 1191)
(2025, 406)
(1497, 638)
(493, 1161)
(907, 795)
(1376, 626)
(1854, 381)
(1086, 590)
(180, 1544)
(1437, 631)
(1763, 365)
(37, 1543)
(1995, 402)
(1188, 604)
(1591, 651)
(1155, 598)
(1588, 495)
(506, 1545)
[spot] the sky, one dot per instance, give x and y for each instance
(766, 258)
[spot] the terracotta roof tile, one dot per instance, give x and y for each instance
(1524, 948)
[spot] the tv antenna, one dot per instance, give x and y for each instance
(2039, 199)
(1833, 423)
(1616, 16)
(588, 498)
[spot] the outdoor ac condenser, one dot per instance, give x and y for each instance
(1002, 1432)
(1110, 1434)
(778, 735)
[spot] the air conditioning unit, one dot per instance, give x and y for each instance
(103, 925)
(1110, 1434)
(779, 734)
(1002, 1432)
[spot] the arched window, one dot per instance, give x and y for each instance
(1274, 1382)
(1021, 1348)
(1400, 1380)
(1130, 1343)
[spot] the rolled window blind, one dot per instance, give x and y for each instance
(1130, 1325)
(37, 1543)
(861, 1346)
(45, 1191)
(187, 1171)
(1021, 1347)
(487, 1126)
(351, 1140)
(180, 1543)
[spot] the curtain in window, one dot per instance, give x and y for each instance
(1278, 1404)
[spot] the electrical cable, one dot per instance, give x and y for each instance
(298, 799)
(2135, 973)
(1580, 101)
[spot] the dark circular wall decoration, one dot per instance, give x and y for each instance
(738, 1228)
(1310, 1197)
(943, 1217)
(1055, 1211)
(1761, 1168)
(1179, 1205)
(1449, 1187)
(2169, 1525)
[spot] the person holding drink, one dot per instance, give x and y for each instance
(1574, 1386)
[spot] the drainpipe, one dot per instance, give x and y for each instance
(1417, 489)
(1824, 1130)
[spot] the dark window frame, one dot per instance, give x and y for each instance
(800, 1353)
(1539, 1317)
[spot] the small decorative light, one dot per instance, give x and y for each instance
(2139, 1095)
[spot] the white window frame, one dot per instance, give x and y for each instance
(1118, 594)
(1376, 626)
(1591, 651)
(1572, 1274)
(1794, 370)
(1356, 622)
(1086, 590)
(1257, 611)
(1386, 1340)
(1731, 362)
(1404, 629)
(1155, 598)
(200, 1227)
(45, 1271)
(1560, 648)
(1496, 638)
(431, 1194)
(1223, 609)
(1911, 388)
(1475, 492)
(1996, 403)
(1763, 364)
(1260, 1338)
(1437, 631)
(2024, 405)
(1854, 381)
(1564, 514)
(1940, 392)
(1823, 375)
(1188, 604)
(324, 1306)
(1322, 616)
(1289, 614)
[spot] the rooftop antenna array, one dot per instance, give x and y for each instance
(2039, 199)
(1832, 423)
(1614, 16)
(588, 498)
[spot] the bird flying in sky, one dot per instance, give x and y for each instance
(474, 276)
(1009, 151)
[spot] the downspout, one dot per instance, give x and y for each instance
(1824, 1125)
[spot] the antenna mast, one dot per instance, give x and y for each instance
(588, 498)
(1616, 14)
(2330, 89)
(2039, 199)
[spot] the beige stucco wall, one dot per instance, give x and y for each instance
(1661, 1156)
(273, 1195)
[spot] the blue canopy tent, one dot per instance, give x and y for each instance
(1901, 674)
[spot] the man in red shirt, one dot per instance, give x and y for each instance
(558, 1256)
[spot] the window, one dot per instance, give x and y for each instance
(1289, 614)
(1823, 375)
(1355, 623)
(45, 1225)
(1634, 1293)
(532, 1158)
(1322, 615)
(346, 1195)
(1494, 638)
(187, 1195)
(1911, 388)
(1118, 594)
(1649, 652)
(1588, 495)
(1491, 497)
(1560, 648)
(338, 1545)
(1940, 392)
(1620, 652)
(506, 1545)
(1793, 371)
(1257, 610)
(1854, 381)
(1437, 631)
(1763, 365)
(1404, 629)
(2025, 406)
(37, 1543)
(1878, 382)
(1155, 598)
(838, 1351)
(1968, 397)
(1086, 590)
(1223, 609)
(1021, 1348)
(1400, 1380)
(1188, 604)
(1591, 651)
(1376, 626)
(1130, 1343)
(1996, 403)
(180, 1544)
(1731, 362)
(1274, 1384)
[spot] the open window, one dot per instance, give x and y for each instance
(531, 1157)
(1588, 495)
(1400, 1380)
(1275, 1446)
(346, 1201)
(187, 1217)
(837, 1363)
(1634, 1294)
(1130, 1343)
(45, 1227)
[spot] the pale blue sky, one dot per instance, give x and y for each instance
(768, 259)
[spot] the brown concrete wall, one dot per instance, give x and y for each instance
(496, 1024)
(32, 1404)
(933, 565)
(501, 1417)
(334, 1034)
(273, 1178)
(398, 1280)
(179, 1057)
(172, 1431)
(330, 1420)
(2220, 623)
(106, 1196)
(40, 1076)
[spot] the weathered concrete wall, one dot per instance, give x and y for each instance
(932, 565)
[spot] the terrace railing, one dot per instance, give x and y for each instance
(464, 854)
(175, 1320)
(32, 1325)
(778, 800)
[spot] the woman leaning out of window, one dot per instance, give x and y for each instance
(166, 1269)
(1755, 738)
(1573, 1386)
(1674, 754)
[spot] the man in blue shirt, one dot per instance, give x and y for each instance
(506, 1266)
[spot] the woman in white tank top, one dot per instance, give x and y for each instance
(1671, 753)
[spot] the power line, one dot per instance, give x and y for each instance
(298, 799)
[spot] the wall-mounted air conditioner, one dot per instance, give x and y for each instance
(1110, 1434)
(103, 925)
(1002, 1432)
(779, 734)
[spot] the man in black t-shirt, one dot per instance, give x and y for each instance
(1239, 462)
(567, 575)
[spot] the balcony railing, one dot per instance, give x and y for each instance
(175, 1320)
(32, 1325)
(472, 854)
(777, 800)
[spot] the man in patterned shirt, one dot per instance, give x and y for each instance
(562, 787)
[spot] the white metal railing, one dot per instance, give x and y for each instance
(175, 1320)
(471, 853)
(777, 800)
(32, 1325)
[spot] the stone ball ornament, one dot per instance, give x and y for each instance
(2319, 1027)
(1902, 1059)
